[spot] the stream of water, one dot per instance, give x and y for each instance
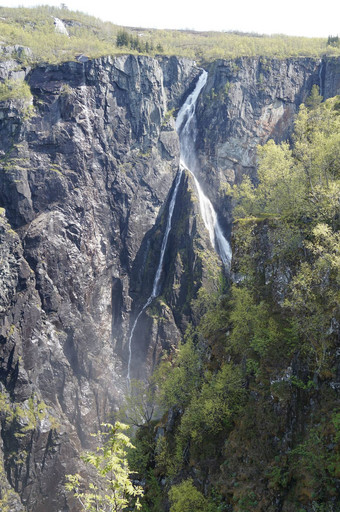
(186, 126)
(60, 27)
(156, 284)
(320, 77)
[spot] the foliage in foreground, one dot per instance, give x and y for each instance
(112, 489)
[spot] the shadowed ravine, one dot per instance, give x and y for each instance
(187, 131)
(156, 287)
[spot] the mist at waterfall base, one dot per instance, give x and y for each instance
(186, 126)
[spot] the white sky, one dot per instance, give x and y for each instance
(312, 18)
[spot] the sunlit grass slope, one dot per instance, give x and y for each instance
(34, 28)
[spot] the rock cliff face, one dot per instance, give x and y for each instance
(246, 102)
(87, 170)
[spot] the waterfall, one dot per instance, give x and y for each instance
(187, 131)
(186, 127)
(320, 77)
(156, 284)
(60, 27)
(165, 105)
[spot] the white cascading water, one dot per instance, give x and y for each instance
(60, 27)
(320, 77)
(187, 130)
(156, 284)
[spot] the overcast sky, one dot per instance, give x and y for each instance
(292, 17)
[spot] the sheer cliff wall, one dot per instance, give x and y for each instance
(87, 168)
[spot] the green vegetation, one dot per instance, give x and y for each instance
(333, 41)
(224, 437)
(34, 28)
(134, 42)
(186, 498)
(7, 494)
(15, 89)
(24, 418)
(168, 115)
(301, 188)
(262, 347)
(209, 46)
(112, 490)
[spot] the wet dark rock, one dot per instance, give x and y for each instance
(83, 180)
(85, 183)
(246, 102)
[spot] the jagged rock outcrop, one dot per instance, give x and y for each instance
(246, 102)
(190, 263)
(329, 77)
(87, 170)
(86, 167)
